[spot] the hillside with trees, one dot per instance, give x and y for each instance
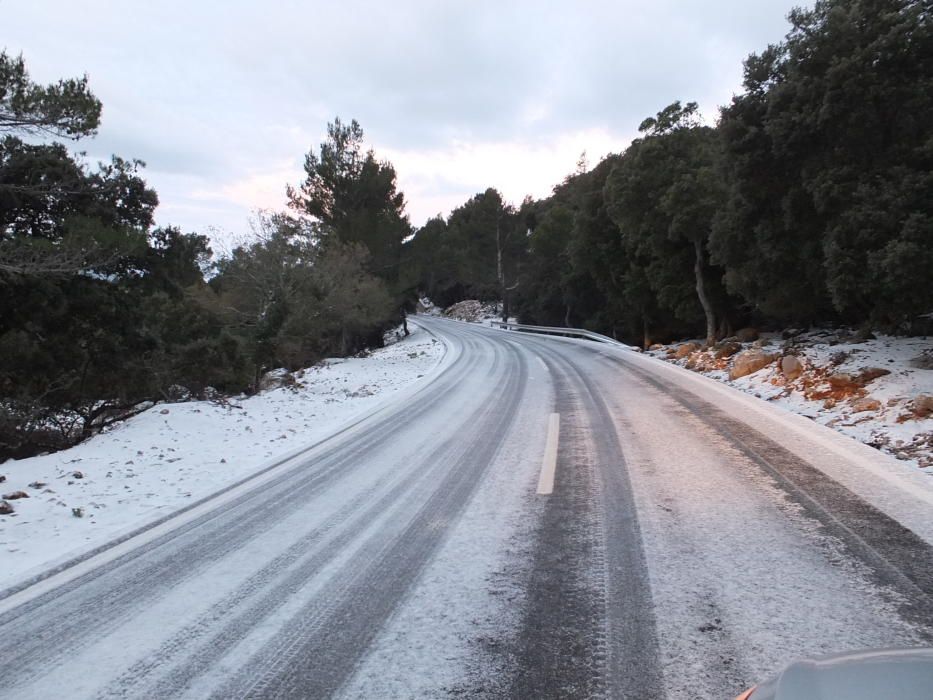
(809, 202)
(104, 314)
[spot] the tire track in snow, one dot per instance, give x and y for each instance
(318, 650)
(603, 643)
(152, 571)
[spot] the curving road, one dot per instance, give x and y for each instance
(696, 539)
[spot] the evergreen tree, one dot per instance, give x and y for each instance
(663, 195)
(354, 198)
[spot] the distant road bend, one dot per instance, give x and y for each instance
(542, 518)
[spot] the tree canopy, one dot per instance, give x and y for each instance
(65, 109)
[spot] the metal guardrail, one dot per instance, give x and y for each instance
(569, 332)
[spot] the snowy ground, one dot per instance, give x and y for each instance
(890, 425)
(175, 454)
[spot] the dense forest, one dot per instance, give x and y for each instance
(810, 201)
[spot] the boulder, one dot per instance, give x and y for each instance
(685, 349)
(844, 380)
(14, 495)
(5, 508)
(924, 360)
(850, 381)
(656, 346)
(922, 405)
(700, 361)
(869, 374)
(791, 367)
(866, 403)
(746, 335)
(789, 333)
(727, 348)
(750, 361)
(275, 379)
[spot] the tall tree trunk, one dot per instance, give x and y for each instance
(701, 293)
(646, 334)
(500, 273)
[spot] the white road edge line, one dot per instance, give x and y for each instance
(549, 465)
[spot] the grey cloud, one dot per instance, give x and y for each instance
(220, 89)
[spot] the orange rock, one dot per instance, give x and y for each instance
(749, 362)
(866, 403)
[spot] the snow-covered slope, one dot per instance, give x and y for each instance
(174, 454)
(879, 411)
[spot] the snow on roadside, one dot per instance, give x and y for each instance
(879, 411)
(174, 454)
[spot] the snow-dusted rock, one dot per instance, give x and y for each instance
(922, 405)
(864, 404)
(728, 348)
(791, 367)
(685, 349)
(749, 362)
(869, 374)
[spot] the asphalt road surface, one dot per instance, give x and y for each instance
(694, 541)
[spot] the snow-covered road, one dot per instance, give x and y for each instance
(696, 540)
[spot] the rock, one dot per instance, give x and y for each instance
(727, 348)
(276, 379)
(921, 406)
(5, 508)
(164, 411)
(14, 495)
(750, 361)
(697, 360)
(837, 358)
(77, 475)
(656, 346)
(176, 393)
(850, 381)
(864, 334)
(77, 512)
(37, 485)
(2, 478)
(869, 374)
(789, 333)
(746, 335)
(685, 350)
(866, 403)
(791, 367)
(843, 380)
(923, 361)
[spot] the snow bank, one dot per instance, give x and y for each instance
(174, 454)
(877, 411)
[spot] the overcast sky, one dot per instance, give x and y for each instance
(223, 99)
